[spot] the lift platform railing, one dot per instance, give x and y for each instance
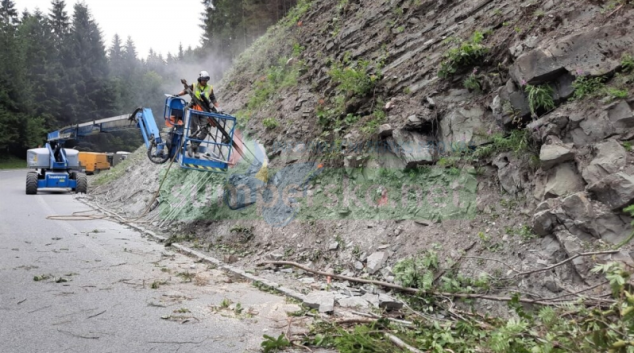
(215, 150)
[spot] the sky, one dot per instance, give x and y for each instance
(157, 24)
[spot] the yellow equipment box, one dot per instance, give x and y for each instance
(93, 162)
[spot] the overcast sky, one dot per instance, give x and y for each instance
(157, 24)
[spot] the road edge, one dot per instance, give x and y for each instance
(203, 257)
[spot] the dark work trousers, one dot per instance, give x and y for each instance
(198, 128)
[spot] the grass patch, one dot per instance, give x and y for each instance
(518, 142)
(467, 55)
(270, 123)
(616, 93)
(627, 63)
(587, 87)
(540, 97)
(119, 170)
(12, 162)
(278, 77)
(378, 117)
(353, 77)
(296, 13)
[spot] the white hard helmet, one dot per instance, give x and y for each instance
(203, 76)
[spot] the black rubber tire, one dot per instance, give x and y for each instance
(82, 184)
(156, 159)
(73, 176)
(31, 183)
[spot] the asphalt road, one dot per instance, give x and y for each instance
(97, 286)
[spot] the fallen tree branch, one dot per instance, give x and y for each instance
(401, 322)
(566, 261)
(413, 290)
(615, 11)
(464, 251)
(354, 321)
(570, 293)
(399, 343)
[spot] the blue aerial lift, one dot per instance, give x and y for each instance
(58, 167)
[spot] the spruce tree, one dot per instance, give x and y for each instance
(8, 13)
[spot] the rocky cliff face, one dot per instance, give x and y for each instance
(441, 74)
(525, 106)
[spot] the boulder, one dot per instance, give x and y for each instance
(584, 218)
(415, 149)
(388, 303)
(385, 130)
(621, 115)
(544, 223)
(322, 301)
(353, 302)
(613, 228)
(376, 261)
(551, 155)
(573, 246)
(512, 177)
(373, 299)
(610, 158)
(616, 190)
(563, 180)
(510, 104)
(591, 126)
(464, 127)
(590, 53)
(550, 249)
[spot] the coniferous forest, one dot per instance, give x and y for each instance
(56, 68)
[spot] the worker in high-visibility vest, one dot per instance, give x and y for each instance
(205, 93)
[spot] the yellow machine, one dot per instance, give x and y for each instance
(93, 162)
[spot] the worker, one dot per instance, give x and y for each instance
(198, 129)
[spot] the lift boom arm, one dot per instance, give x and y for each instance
(142, 118)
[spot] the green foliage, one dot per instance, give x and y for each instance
(472, 83)
(353, 77)
(298, 50)
(364, 338)
(615, 274)
(567, 327)
(417, 272)
(587, 86)
(270, 123)
(467, 55)
(518, 141)
(225, 303)
(540, 97)
(628, 209)
(295, 14)
(627, 63)
(271, 344)
(616, 93)
(627, 145)
(278, 77)
(238, 309)
(378, 118)
(11, 162)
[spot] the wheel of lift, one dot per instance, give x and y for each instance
(82, 184)
(31, 183)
